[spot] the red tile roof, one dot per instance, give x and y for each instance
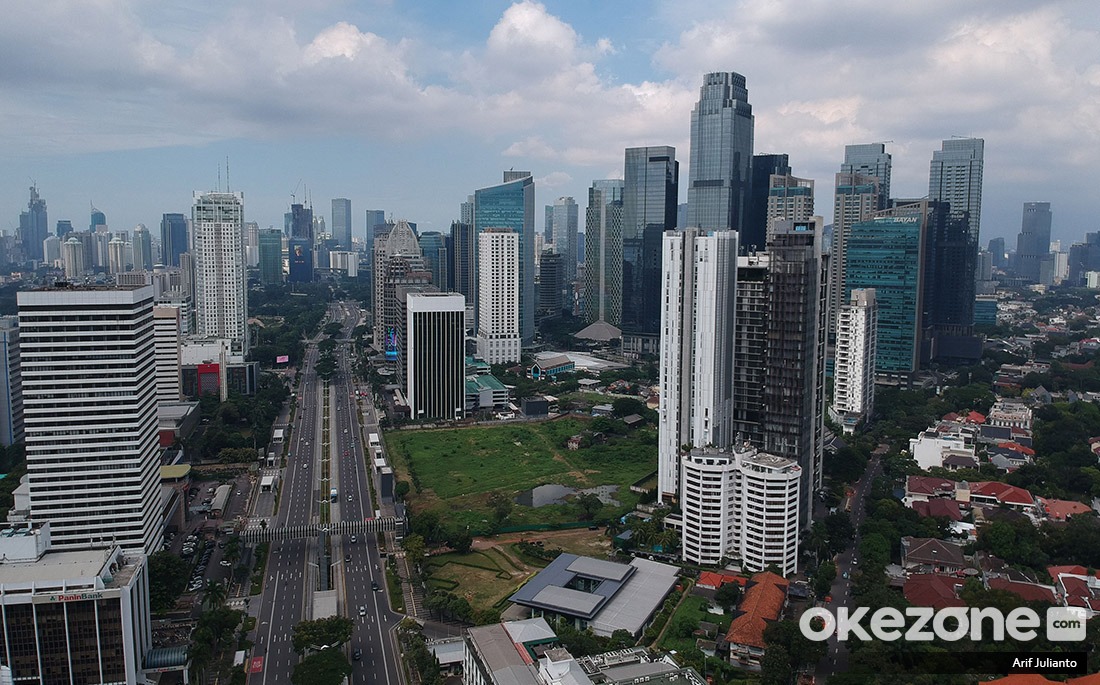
(1016, 447)
(1061, 509)
(1073, 569)
(939, 507)
(933, 590)
(763, 602)
(1002, 492)
(710, 579)
(929, 485)
(1026, 591)
(975, 417)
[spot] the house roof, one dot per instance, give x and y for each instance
(932, 552)
(1062, 509)
(763, 602)
(717, 580)
(933, 590)
(960, 460)
(1016, 447)
(929, 485)
(1002, 492)
(939, 507)
(1029, 592)
(1072, 569)
(1077, 593)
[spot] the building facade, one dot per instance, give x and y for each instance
(854, 369)
(11, 383)
(651, 182)
(498, 325)
(436, 355)
(173, 238)
(857, 198)
(603, 252)
(565, 217)
(955, 177)
(143, 248)
(789, 197)
(755, 230)
(697, 347)
(167, 334)
(721, 153)
(90, 415)
(221, 302)
(33, 226)
(1033, 243)
(271, 256)
(873, 161)
(511, 204)
(341, 221)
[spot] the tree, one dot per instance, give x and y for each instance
(401, 489)
(590, 505)
(501, 504)
(414, 549)
(215, 595)
(823, 579)
(727, 596)
(460, 540)
(167, 578)
(326, 667)
(322, 633)
(625, 406)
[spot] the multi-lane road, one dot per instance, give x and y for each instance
(293, 569)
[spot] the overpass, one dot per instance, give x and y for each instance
(260, 533)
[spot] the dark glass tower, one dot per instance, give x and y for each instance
(271, 256)
(341, 221)
(650, 191)
(753, 234)
(721, 153)
(173, 238)
(512, 205)
(33, 227)
(1033, 243)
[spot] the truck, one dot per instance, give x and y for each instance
(333, 495)
(374, 441)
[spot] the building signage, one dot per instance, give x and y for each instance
(62, 597)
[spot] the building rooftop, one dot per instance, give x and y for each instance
(77, 569)
(762, 604)
(499, 654)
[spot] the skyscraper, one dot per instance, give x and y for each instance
(498, 326)
(143, 249)
(755, 228)
(341, 221)
(299, 261)
(548, 225)
(434, 249)
(72, 258)
(950, 264)
(397, 261)
(463, 260)
(512, 205)
(789, 197)
(794, 387)
(856, 199)
(1033, 243)
(33, 226)
(955, 177)
(173, 238)
(221, 304)
(751, 345)
(550, 284)
(64, 227)
(699, 286)
(98, 219)
(11, 383)
(650, 189)
(436, 355)
(167, 336)
(997, 250)
(90, 414)
(299, 222)
(271, 256)
(603, 252)
(565, 224)
(854, 371)
(721, 153)
(870, 159)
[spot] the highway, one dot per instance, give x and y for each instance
(292, 571)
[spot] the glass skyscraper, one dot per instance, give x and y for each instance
(650, 192)
(603, 252)
(341, 221)
(511, 204)
(721, 153)
(434, 248)
(870, 159)
(1033, 243)
(33, 227)
(565, 216)
(955, 177)
(271, 256)
(754, 228)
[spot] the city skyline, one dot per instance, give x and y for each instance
(557, 89)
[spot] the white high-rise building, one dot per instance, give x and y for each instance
(11, 383)
(167, 329)
(72, 258)
(221, 304)
(854, 368)
(698, 312)
(435, 355)
(90, 415)
(498, 335)
(740, 504)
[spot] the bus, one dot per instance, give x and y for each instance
(333, 495)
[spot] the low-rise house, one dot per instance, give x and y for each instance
(924, 488)
(1003, 494)
(939, 507)
(933, 590)
(929, 555)
(1029, 592)
(763, 603)
(1062, 510)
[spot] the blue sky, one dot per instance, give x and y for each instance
(409, 107)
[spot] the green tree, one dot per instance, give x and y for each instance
(322, 633)
(823, 579)
(625, 406)
(727, 596)
(215, 595)
(326, 667)
(167, 579)
(590, 505)
(414, 549)
(501, 504)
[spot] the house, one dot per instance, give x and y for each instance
(573, 442)
(1061, 510)
(924, 488)
(939, 507)
(602, 410)
(1029, 592)
(549, 365)
(1077, 588)
(929, 555)
(931, 447)
(933, 590)
(1003, 494)
(712, 581)
(955, 461)
(633, 421)
(763, 603)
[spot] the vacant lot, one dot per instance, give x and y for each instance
(455, 471)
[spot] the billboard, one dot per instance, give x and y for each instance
(282, 359)
(391, 342)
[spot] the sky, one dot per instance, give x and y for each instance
(410, 106)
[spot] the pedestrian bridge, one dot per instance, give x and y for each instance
(260, 533)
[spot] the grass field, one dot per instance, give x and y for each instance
(693, 609)
(482, 577)
(454, 471)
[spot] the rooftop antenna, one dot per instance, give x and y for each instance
(227, 173)
(219, 186)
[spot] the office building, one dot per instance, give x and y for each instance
(173, 238)
(299, 261)
(755, 229)
(512, 205)
(794, 387)
(548, 225)
(167, 335)
(603, 253)
(79, 616)
(11, 383)
(873, 161)
(721, 153)
(64, 227)
(397, 260)
(90, 415)
(116, 256)
(950, 264)
(498, 326)
(789, 197)
(345, 262)
(955, 178)
(699, 287)
(1000, 255)
(751, 347)
(271, 256)
(51, 249)
(72, 258)
(564, 224)
(854, 368)
(651, 182)
(98, 221)
(1033, 243)
(341, 222)
(740, 504)
(886, 253)
(857, 198)
(33, 226)
(374, 217)
(143, 248)
(221, 304)
(300, 223)
(434, 249)
(463, 260)
(550, 284)
(435, 358)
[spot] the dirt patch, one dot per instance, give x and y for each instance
(584, 542)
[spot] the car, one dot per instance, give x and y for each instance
(362, 610)
(356, 654)
(305, 465)
(354, 539)
(845, 575)
(374, 585)
(225, 563)
(347, 557)
(350, 498)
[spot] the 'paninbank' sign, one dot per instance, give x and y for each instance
(62, 597)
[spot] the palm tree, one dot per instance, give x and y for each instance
(215, 596)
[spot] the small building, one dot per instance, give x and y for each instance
(1062, 510)
(176, 421)
(933, 590)
(534, 406)
(221, 499)
(548, 365)
(485, 392)
(929, 555)
(763, 603)
(602, 410)
(634, 420)
(573, 443)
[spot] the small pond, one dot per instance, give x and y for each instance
(553, 493)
